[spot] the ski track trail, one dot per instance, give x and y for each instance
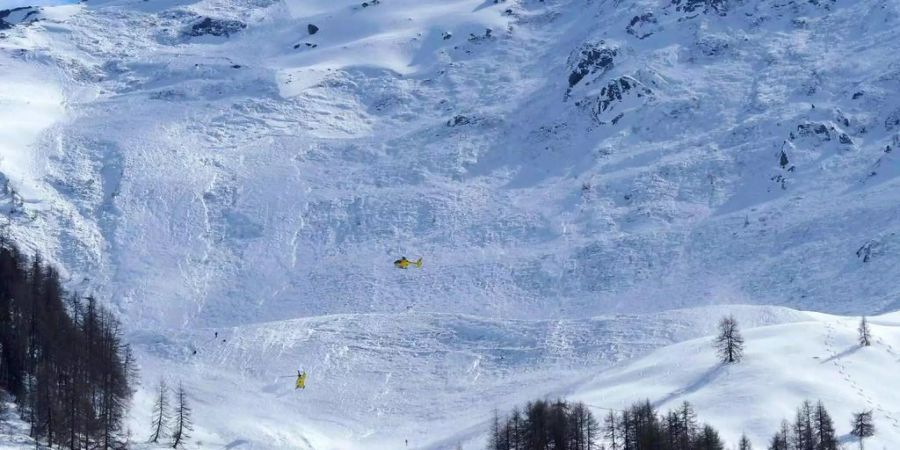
(836, 358)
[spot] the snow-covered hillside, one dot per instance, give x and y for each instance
(784, 365)
(253, 167)
(378, 380)
(232, 178)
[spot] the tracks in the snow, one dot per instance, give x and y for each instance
(837, 359)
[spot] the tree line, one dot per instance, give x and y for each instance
(560, 425)
(641, 427)
(813, 429)
(61, 357)
(543, 425)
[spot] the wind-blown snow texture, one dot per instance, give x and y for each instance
(214, 165)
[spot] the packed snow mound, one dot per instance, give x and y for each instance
(378, 380)
(783, 365)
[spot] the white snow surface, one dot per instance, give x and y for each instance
(784, 365)
(574, 179)
(13, 431)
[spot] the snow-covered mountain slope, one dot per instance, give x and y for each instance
(579, 158)
(377, 381)
(783, 366)
(253, 167)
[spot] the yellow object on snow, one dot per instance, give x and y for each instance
(301, 380)
(404, 263)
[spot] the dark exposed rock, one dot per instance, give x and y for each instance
(591, 59)
(705, 6)
(15, 16)
(857, 95)
(616, 89)
(713, 45)
(459, 120)
(892, 121)
(841, 118)
(822, 132)
(642, 26)
(868, 250)
(488, 34)
(613, 94)
(216, 27)
(312, 29)
(781, 180)
(825, 4)
(814, 129)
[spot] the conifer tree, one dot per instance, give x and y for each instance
(744, 443)
(865, 333)
(160, 412)
(183, 423)
(516, 430)
(611, 431)
(63, 361)
(803, 436)
(729, 342)
(688, 426)
(825, 435)
(708, 439)
(496, 439)
(557, 425)
(781, 440)
(863, 427)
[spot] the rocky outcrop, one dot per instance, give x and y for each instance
(18, 16)
(591, 60)
(892, 121)
(701, 6)
(822, 132)
(460, 120)
(618, 97)
(216, 27)
(643, 26)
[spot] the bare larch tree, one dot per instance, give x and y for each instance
(729, 342)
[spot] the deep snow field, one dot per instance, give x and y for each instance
(591, 185)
